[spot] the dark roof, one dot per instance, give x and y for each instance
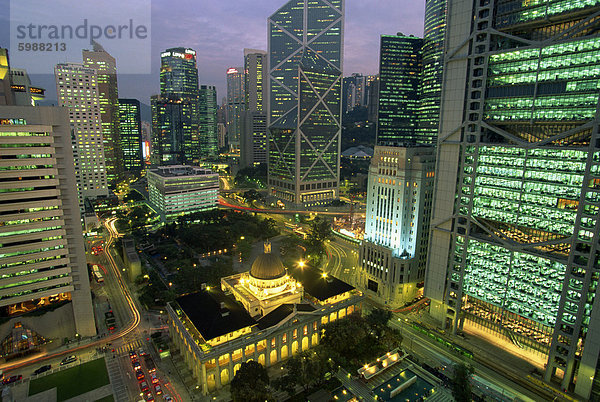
(280, 313)
(204, 310)
(317, 286)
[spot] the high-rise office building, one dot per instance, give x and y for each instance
(515, 232)
(130, 124)
(354, 92)
(253, 139)
(304, 108)
(108, 95)
(175, 114)
(431, 77)
(255, 63)
(399, 83)
(236, 104)
(207, 107)
(174, 130)
(179, 72)
(221, 135)
(42, 254)
(23, 92)
(373, 101)
(77, 90)
(399, 194)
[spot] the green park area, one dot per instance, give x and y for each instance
(74, 381)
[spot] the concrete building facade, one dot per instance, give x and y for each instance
(42, 254)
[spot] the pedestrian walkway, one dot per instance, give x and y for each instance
(354, 386)
(117, 380)
(128, 347)
(93, 395)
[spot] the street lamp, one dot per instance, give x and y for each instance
(301, 264)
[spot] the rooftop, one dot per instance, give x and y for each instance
(205, 310)
(318, 285)
(280, 313)
(181, 171)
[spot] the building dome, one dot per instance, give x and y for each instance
(267, 266)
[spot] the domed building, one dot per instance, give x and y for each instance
(265, 287)
(265, 314)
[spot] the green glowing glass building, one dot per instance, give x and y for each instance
(399, 81)
(431, 75)
(175, 114)
(131, 134)
(207, 107)
(515, 245)
(304, 100)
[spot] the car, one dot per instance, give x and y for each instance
(136, 365)
(153, 378)
(42, 369)
(139, 374)
(144, 386)
(132, 355)
(149, 397)
(168, 398)
(68, 359)
(157, 389)
(10, 380)
(141, 352)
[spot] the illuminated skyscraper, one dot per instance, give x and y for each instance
(77, 90)
(399, 83)
(236, 104)
(175, 114)
(131, 134)
(304, 109)
(179, 72)
(106, 70)
(393, 253)
(515, 244)
(431, 76)
(207, 107)
(253, 139)
(174, 130)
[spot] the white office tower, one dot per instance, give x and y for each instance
(77, 90)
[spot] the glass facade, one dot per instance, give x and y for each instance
(175, 113)
(305, 50)
(400, 68)
(178, 72)
(174, 130)
(431, 79)
(207, 106)
(236, 104)
(524, 257)
(131, 134)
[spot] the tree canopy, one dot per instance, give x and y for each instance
(461, 384)
(250, 383)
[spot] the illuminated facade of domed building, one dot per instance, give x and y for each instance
(266, 315)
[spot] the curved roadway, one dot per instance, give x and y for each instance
(128, 328)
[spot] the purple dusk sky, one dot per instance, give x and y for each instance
(219, 30)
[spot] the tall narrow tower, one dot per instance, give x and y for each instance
(106, 71)
(305, 50)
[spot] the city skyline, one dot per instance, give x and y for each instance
(219, 32)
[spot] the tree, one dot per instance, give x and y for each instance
(319, 231)
(250, 383)
(306, 369)
(461, 384)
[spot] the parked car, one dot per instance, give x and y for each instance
(42, 369)
(68, 359)
(10, 380)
